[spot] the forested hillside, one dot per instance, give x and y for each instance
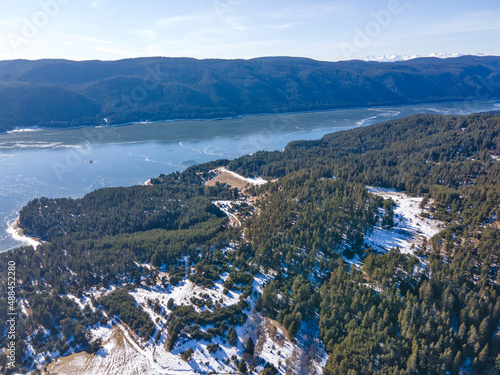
(435, 310)
(60, 93)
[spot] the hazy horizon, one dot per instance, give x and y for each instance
(379, 58)
(239, 29)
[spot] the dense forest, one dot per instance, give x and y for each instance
(434, 313)
(60, 93)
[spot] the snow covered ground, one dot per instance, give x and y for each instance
(225, 176)
(410, 228)
(120, 354)
(123, 353)
(17, 234)
(251, 181)
(305, 355)
(226, 207)
(182, 293)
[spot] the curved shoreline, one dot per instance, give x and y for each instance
(17, 234)
(235, 117)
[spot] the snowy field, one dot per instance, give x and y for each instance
(251, 181)
(235, 180)
(227, 207)
(410, 228)
(123, 353)
(120, 354)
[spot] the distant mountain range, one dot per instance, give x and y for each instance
(61, 93)
(440, 55)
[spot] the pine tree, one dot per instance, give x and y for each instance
(483, 356)
(484, 329)
(412, 363)
(258, 304)
(457, 362)
(473, 340)
(462, 331)
(156, 260)
(231, 336)
(242, 367)
(250, 347)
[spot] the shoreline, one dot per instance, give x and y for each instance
(235, 117)
(17, 234)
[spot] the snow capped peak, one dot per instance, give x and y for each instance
(440, 55)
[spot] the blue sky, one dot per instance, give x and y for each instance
(323, 30)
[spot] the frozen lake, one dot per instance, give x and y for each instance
(72, 162)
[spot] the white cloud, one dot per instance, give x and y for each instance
(464, 23)
(176, 20)
(148, 35)
(92, 40)
(9, 23)
(119, 52)
(225, 50)
(96, 3)
(235, 23)
(282, 26)
(312, 10)
(80, 38)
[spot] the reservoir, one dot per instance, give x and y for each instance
(72, 162)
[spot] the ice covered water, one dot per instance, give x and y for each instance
(69, 163)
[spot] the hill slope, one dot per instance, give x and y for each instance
(299, 263)
(60, 93)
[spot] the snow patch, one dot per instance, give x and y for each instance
(250, 180)
(17, 234)
(439, 55)
(226, 207)
(122, 352)
(182, 294)
(410, 227)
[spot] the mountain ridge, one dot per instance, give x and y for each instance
(96, 92)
